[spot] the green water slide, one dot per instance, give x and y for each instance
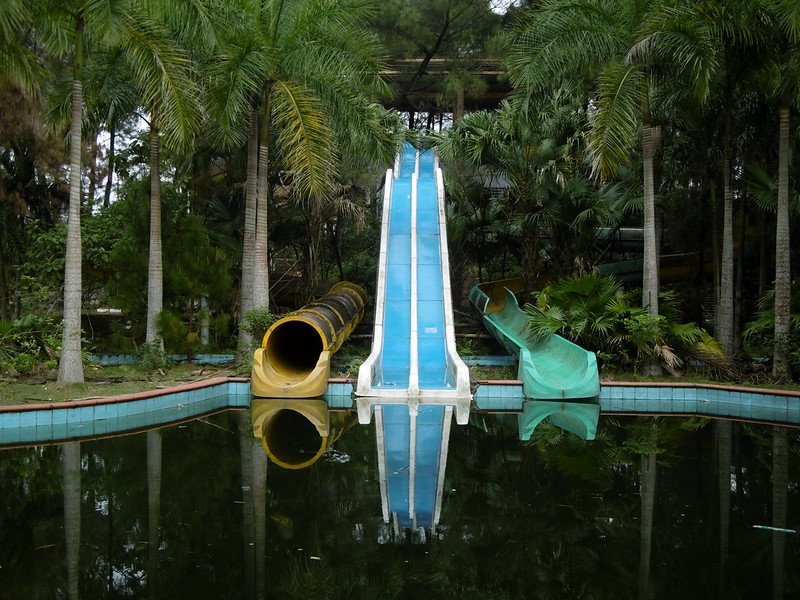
(560, 377)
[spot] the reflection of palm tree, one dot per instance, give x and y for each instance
(724, 436)
(780, 484)
(71, 472)
(153, 506)
(648, 494)
(246, 462)
(254, 493)
(259, 518)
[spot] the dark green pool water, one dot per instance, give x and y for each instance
(196, 511)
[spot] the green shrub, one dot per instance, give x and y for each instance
(152, 357)
(257, 321)
(758, 336)
(595, 313)
(28, 343)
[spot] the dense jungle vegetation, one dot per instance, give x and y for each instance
(174, 173)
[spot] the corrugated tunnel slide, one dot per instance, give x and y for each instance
(294, 358)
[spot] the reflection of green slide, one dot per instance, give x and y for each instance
(553, 369)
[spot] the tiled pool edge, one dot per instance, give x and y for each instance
(28, 424)
(59, 421)
(703, 400)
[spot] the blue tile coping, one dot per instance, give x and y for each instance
(29, 424)
(59, 421)
(687, 399)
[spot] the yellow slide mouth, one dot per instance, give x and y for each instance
(294, 358)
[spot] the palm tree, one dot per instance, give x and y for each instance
(717, 39)
(599, 40)
(70, 30)
(76, 30)
(731, 32)
(786, 15)
(564, 38)
(300, 75)
(163, 75)
(534, 147)
(610, 43)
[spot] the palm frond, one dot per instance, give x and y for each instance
(305, 139)
(616, 119)
(232, 82)
(762, 186)
(107, 21)
(165, 75)
(18, 65)
(563, 37)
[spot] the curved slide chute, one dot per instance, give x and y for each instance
(560, 377)
(294, 358)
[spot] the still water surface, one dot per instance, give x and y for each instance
(186, 512)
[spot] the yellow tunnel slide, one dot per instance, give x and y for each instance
(294, 358)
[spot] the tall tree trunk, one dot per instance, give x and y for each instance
(650, 274)
(71, 474)
(724, 312)
(780, 485)
(70, 365)
(459, 110)
(245, 347)
(651, 136)
(260, 281)
(111, 154)
(93, 173)
(738, 285)
(5, 292)
(155, 268)
(780, 363)
(311, 252)
(205, 321)
(153, 508)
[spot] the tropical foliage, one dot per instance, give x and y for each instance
(758, 334)
(242, 140)
(595, 313)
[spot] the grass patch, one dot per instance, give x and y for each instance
(102, 382)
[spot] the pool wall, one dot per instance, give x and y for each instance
(705, 400)
(59, 421)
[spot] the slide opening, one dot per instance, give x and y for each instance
(293, 347)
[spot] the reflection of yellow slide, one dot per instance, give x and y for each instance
(295, 432)
(294, 358)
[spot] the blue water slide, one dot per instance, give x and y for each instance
(413, 308)
(413, 381)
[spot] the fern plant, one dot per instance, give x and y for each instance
(758, 336)
(595, 313)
